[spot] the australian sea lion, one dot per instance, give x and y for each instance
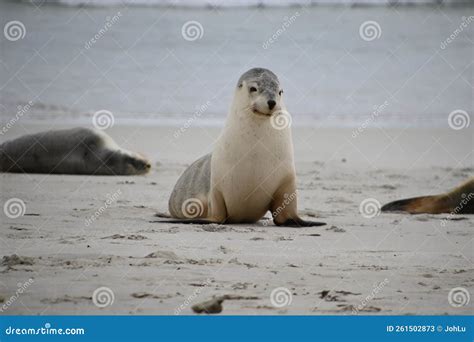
(458, 201)
(70, 151)
(251, 169)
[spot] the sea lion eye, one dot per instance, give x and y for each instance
(281, 92)
(252, 89)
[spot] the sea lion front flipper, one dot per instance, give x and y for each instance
(298, 222)
(284, 207)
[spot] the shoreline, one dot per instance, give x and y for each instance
(374, 148)
(264, 4)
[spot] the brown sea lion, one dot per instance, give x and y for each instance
(458, 201)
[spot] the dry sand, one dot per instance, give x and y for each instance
(404, 264)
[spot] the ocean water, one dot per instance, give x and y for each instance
(242, 3)
(339, 65)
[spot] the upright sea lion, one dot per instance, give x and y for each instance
(70, 151)
(458, 201)
(251, 169)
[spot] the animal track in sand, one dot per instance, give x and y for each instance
(13, 260)
(163, 255)
(64, 299)
(235, 261)
(172, 259)
(149, 295)
(128, 237)
(334, 296)
(336, 229)
(349, 307)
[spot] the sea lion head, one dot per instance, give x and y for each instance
(136, 164)
(259, 89)
(121, 163)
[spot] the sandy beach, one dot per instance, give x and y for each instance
(388, 264)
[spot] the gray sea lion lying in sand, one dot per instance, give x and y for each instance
(458, 201)
(251, 169)
(71, 151)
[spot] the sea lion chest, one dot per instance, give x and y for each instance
(249, 163)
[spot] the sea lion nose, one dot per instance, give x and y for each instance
(271, 104)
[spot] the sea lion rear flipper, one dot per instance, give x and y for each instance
(416, 205)
(458, 201)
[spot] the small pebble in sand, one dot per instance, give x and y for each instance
(336, 229)
(224, 250)
(214, 305)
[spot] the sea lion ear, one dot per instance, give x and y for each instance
(240, 85)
